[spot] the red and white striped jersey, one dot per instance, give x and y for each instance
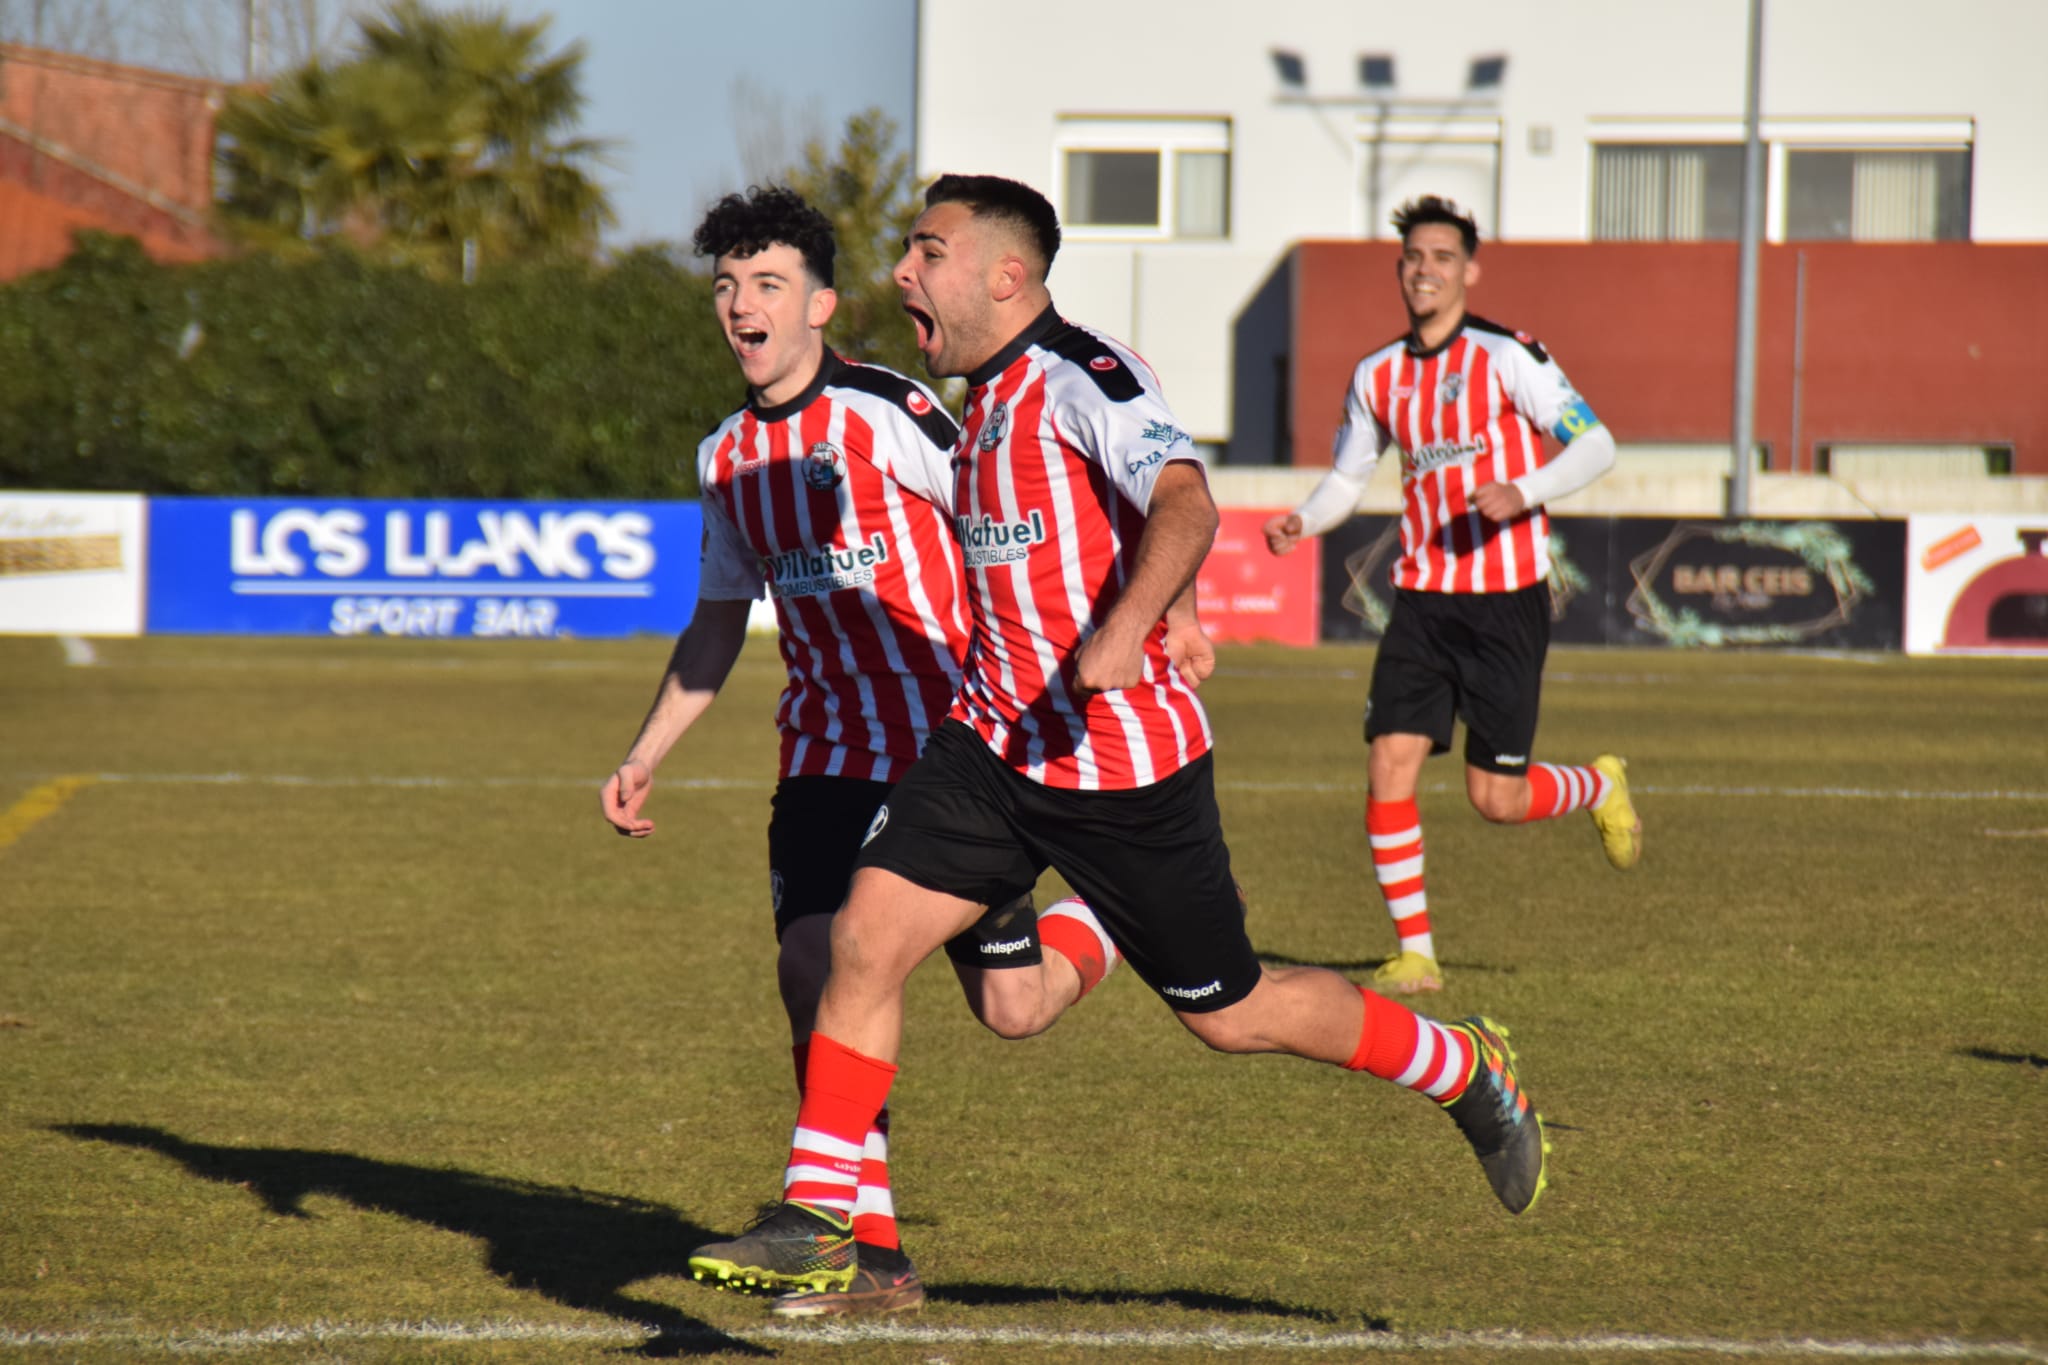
(1471, 412)
(838, 504)
(1065, 434)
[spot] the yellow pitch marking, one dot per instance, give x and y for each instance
(38, 805)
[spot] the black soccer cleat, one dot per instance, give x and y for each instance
(792, 1247)
(1496, 1117)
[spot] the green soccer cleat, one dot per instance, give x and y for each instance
(884, 1281)
(1621, 830)
(1496, 1117)
(793, 1247)
(1407, 974)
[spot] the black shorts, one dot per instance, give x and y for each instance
(1461, 655)
(1150, 862)
(815, 828)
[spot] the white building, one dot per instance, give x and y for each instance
(1187, 143)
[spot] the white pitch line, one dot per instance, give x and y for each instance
(431, 782)
(1211, 1341)
(78, 651)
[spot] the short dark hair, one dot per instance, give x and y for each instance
(1007, 201)
(1432, 209)
(746, 225)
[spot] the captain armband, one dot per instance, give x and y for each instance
(1576, 420)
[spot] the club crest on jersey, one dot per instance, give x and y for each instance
(996, 428)
(824, 467)
(1453, 385)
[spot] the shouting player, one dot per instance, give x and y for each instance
(1081, 513)
(831, 490)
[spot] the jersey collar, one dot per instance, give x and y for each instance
(1033, 332)
(1421, 352)
(828, 368)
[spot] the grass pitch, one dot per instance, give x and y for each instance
(335, 1024)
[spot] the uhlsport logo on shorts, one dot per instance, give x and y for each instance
(876, 826)
(774, 889)
(1192, 992)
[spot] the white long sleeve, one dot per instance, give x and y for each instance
(1590, 454)
(1332, 501)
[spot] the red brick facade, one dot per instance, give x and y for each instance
(94, 144)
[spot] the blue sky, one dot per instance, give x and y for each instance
(698, 93)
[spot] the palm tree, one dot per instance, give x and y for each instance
(442, 137)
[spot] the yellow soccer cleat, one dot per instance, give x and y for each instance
(1621, 829)
(1407, 974)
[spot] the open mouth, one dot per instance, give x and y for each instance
(750, 340)
(923, 321)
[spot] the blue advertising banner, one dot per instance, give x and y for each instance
(284, 566)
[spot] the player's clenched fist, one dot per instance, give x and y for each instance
(1283, 532)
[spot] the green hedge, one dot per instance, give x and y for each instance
(331, 376)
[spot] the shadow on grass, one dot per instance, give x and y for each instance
(1193, 1300)
(1985, 1054)
(1369, 963)
(577, 1247)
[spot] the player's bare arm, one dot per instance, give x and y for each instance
(1188, 646)
(1180, 526)
(697, 668)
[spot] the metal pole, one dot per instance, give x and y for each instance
(1798, 366)
(1746, 271)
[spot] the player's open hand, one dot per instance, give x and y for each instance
(1190, 650)
(1499, 501)
(622, 795)
(1283, 532)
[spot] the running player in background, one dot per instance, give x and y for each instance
(1469, 402)
(1082, 512)
(831, 490)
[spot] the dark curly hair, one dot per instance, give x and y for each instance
(1432, 209)
(745, 225)
(1007, 201)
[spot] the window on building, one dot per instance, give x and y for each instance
(1877, 195)
(1166, 178)
(1667, 192)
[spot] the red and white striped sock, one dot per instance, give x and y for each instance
(1070, 928)
(1394, 829)
(844, 1092)
(874, 1207)
(1555, 789)
(1412, 1050)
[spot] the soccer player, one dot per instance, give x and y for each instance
(831, 490)
(1469, 402)
(1081, 512)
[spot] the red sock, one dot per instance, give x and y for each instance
(1412, 1050)
(1556, 790)
(874, 1208)
(1394, 829)
(843, 1093)
(1070, 928)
